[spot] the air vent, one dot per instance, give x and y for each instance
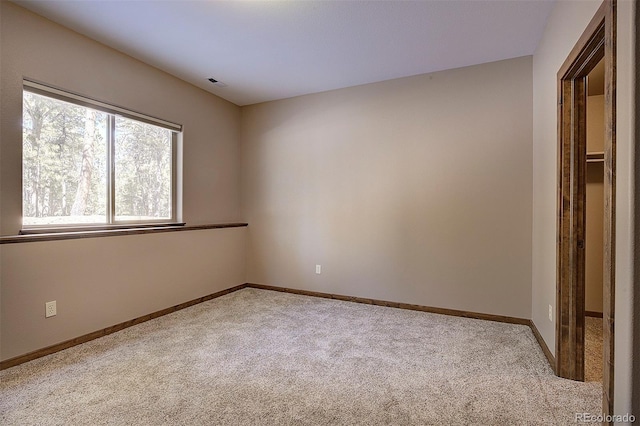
(217, 83)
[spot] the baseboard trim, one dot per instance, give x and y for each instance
(21, 359)
(430, 309)
(593, 314)
(543, 345)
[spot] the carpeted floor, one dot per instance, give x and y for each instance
(593, 349)
(257, 357)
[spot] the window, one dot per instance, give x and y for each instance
(88, 163)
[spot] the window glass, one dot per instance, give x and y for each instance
(142, 171)
(64, 162)
(93, 166)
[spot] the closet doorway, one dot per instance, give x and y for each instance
(577, 238)
(594, 226)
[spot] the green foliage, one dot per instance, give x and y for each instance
(142, 170)
(65, 180)
(54, 133)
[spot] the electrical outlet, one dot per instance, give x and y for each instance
(318, 269)
(550, 313)
(50, 309)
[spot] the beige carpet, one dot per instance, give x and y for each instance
(593, 349)
(257, 357)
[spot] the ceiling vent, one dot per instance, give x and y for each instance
(217, 83)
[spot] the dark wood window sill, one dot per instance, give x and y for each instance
(77, 233)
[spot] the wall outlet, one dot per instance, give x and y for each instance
(50, 309)
(550, 313)
(318, 269)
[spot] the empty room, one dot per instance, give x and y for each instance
(319, 212)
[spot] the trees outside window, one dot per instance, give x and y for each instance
(142, 171)
(84, 165)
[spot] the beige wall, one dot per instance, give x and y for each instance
(635, 356)
(594, 237)
(595, 123)
(414, 190)
(1, 61)
(42, 50)
(567, 22)
(625, 193)
(99, 282)
(104, 281)
(595, 206)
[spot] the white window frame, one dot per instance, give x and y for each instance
(113, 111)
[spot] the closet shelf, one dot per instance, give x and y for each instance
(595, 157)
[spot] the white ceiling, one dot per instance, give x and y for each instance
(267, 50)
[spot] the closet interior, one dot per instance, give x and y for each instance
(594, 225)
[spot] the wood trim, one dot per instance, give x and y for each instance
(408, 306)
(421, 308)
(12, 362)
(45, 230)
(57, 236)
(592, 28)
(597, 41)
(543, 345)
(593, 314)
(572, 159)
(609, 249)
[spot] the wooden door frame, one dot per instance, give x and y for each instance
(598, 41)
